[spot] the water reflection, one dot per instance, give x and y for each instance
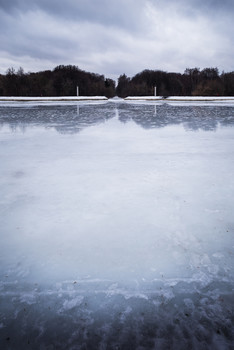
(65, 119)
(72, 119)
(116, 239)
(191, 117)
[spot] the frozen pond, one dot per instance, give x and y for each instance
(117, 226)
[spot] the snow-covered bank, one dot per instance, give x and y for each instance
(144, 98)
(129, 98)
(182, 98)
(52, 99)
(201, 98)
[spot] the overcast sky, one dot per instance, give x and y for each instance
(112, 37)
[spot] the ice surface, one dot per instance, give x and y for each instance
(116, 226)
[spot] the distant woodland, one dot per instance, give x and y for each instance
(193, 82)
(63, 80)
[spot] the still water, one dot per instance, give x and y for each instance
(117, 226)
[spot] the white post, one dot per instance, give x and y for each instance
(155, 91)
(77, 90)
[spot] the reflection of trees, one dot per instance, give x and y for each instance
(71, 119)
(65, 119)
(191, 117)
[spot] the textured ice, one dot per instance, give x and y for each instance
(116, 226)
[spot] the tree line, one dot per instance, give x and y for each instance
(63, 80)
(193, 82)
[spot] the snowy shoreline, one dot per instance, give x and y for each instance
(21, 101)
(182, 98)
(51, 99)
(129, 98)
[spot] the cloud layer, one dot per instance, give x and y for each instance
(113, 37)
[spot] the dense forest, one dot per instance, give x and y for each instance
(193, 82)
(63, 80)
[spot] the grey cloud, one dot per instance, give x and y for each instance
(200, 5)
(192, 8)
(112, 37)
(126, 14)
(215, 5)
(8, 6)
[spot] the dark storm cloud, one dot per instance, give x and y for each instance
(112, 37)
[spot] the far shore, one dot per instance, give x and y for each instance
(129, 98)
(51, 99)
(181, 98)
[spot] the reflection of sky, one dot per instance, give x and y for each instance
(133, 170)
(126, 225)
(72, 119)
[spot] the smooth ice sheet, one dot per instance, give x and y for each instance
(119, 207)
